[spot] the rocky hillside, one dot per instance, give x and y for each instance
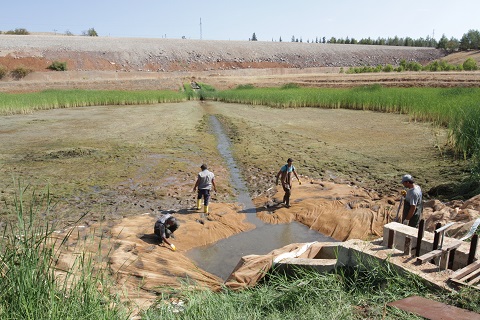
(139, 54)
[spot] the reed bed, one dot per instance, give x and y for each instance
(11, 103)
(457, 109)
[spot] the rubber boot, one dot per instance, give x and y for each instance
(199, 204)
(205, 209)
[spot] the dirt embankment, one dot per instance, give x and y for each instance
(139, 64)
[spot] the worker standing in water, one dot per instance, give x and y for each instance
(205, 182)
(285, 173)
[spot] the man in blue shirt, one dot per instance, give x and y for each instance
(285, 173)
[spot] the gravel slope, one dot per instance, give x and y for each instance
(175, 54)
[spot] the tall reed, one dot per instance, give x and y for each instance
(457, 109)
(30, 287)
(14, 103)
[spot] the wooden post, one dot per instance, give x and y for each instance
(436, 239)
(473, 249)
(419, 238)
(451, 258)
(436, 236)
(407, 246)
(391, 236)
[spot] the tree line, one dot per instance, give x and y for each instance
(469, 41)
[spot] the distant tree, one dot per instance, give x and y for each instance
(324, 40)
(90, 33)
(254, 37)
(68, 33)
(332, 40)
(408, 42)
(293, 38)
(470, 40)
(18, 31)
(442, 43)
(452, 44)
(280, 40)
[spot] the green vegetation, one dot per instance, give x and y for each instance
(454, 108)
(3, 72)
(469, 41)
(440, 65)
(356, 293)
(58, 66)
(20, 72)
(30, 285)
(18, 31)
(90, 33)
(53, 99)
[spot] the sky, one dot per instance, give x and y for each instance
(237, 20)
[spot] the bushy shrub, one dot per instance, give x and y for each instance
(470, 64)
(388, 68)
(20, 72)
(3, 72)
(58, 66)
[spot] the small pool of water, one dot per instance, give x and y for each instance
(221, 257)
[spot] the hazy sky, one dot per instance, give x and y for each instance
(238, 20)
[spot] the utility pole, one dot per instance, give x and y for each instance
(200, 28)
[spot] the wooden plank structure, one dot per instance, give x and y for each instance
(467, 276)
(443, 254)
(440, 252)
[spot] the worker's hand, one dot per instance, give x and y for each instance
(405, 222)
(403, 193)
(173, 247)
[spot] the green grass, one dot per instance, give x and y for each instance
(347, 293)
(29, 284)
(457, 109)
(15, 103)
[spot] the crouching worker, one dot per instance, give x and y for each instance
(165, 227)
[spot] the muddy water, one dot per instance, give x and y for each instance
(221, 258)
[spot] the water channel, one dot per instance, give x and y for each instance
(221, 257)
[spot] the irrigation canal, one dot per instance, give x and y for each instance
(221, 257)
